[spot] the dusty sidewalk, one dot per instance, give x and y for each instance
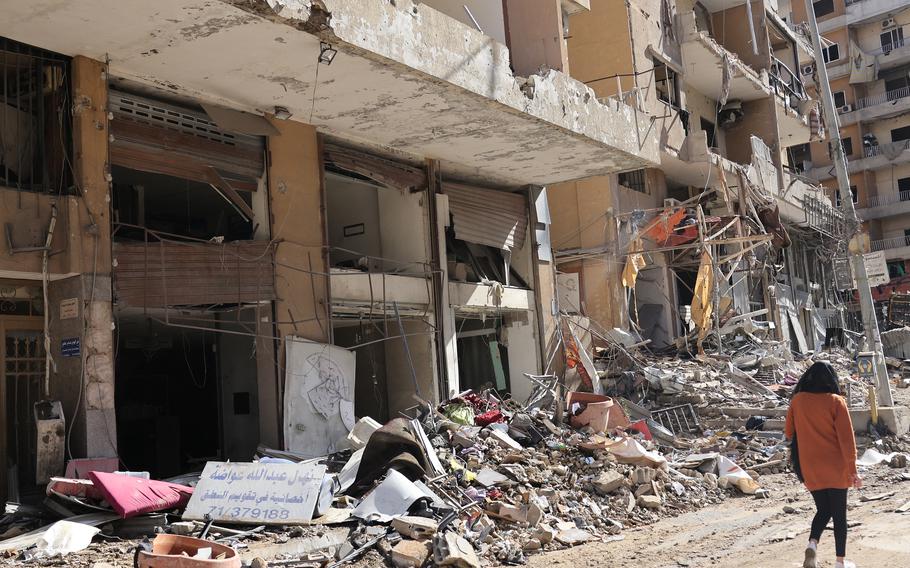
(744, 532)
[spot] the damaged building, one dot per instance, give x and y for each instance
(241, 223)
(725, 233)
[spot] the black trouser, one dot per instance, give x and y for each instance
(831, 503)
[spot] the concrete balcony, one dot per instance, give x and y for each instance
(863, 11)
(405, 79)
(881, 156)
(469, 297)
(359, 293)
(881, 206)
(704, 60)
(883, 105)
(895, 248)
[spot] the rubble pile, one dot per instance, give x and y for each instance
(477, 480)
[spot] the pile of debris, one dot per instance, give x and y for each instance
(476, 477)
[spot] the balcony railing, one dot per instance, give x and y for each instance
(785, 82)
(824, 218)
(893, 148)
(881, 98)
(887, 199)
(898, 43)
(892, 243)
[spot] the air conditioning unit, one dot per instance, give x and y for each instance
(888, 23)
(808, 69)
(845, 108)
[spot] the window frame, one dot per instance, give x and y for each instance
(843, 96)
(826, 52)
(671, 78)
(638, 183)
(828, 5)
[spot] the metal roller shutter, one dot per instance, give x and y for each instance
(488, 217)
(161, 138)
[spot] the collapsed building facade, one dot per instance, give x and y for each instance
(205, 202)
(725, 233)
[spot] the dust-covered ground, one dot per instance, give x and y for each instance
(745, 532)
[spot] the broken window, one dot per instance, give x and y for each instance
(799, 157)
(487, 227)
(634, 180)
(35, 119)
(710, 132)
(483, 360)
(666, 82)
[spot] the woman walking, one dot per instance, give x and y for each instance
(819, 421)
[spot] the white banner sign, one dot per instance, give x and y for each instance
(256, 493)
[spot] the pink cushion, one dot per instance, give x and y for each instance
(131, 496)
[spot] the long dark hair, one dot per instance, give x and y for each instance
(819, 378)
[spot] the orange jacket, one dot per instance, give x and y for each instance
(827, 447)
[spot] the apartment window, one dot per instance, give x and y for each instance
(667, 84)
(903, 188)
(710, 132)
(907, 237)
(634, 180)
(798, 157)
(853, 192)
(848, 146)
(831, 53)
(892, 39)
(896, 88)
(823, 7)
(840, 99)
(896, 269)
(899, 134)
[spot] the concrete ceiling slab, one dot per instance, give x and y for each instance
(703, 60)
(406, 80)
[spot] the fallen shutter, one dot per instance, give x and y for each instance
(162, 138)
(487, 217)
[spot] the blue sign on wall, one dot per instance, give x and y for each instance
(70, 347)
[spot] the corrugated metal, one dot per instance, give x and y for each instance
(160, 274)
(488, 217)
(161, 138)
